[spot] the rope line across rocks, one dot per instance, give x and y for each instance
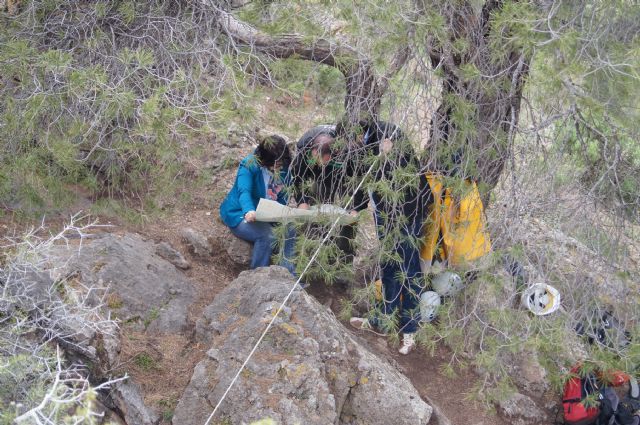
(284, 302)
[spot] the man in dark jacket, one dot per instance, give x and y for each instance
(321, 173)
(400, 196)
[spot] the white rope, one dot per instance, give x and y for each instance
(284, 302)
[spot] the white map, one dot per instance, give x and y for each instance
(273, 211)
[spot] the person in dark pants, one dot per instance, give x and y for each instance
(320, 175)
(400, 198)
(263, 174)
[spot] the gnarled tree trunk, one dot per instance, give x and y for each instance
(473, 128)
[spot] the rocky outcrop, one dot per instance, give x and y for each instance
(522, 410)
(143, 287)
(307, 370)
(532, 376)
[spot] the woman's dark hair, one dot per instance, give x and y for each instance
(271, 149)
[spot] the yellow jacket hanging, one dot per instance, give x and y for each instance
(459, 225)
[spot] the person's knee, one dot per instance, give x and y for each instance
(266, 240)
(263, 231)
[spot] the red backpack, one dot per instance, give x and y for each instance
(575, 391)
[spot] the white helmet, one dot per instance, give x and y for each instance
(447, 284)
(541, 299)
(429, 303)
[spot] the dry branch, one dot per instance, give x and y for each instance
(364, 88)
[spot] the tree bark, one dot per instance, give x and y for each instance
(472, 131)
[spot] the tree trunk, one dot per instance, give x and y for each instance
(362, 95)
(473, 128)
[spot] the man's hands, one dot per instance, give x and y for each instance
(353, 213)
(250, 217)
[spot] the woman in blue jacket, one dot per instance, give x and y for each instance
(263, 174)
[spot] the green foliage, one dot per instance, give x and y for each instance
(513, 29)
(108, 115)
(145, 362)
(329, 263)
(17, 379)
(167, 405)
(114, 208)
(154, 313)
(297, 78)
(608, 158)
(596, 79)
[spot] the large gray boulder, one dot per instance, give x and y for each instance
(143, 287)
(307, 370)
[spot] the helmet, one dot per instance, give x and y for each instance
(447, 284)
(429, 303)
(541, 299)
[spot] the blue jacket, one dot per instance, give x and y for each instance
(247, 191)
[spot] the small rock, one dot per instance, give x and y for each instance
(522, 410)
(213, 354)
(166, 251)
(239, 251)
(197, 242)
(126, 397)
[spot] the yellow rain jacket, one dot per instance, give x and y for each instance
(460, 223)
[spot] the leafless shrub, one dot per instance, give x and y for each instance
(39, 312)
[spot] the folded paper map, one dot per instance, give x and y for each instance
(272, 211)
